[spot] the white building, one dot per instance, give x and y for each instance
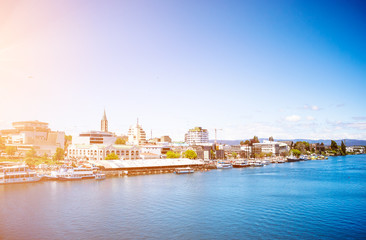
(276, 148)
(100, 151)
(154, 151)
(94, 137)
(33, 134)
(356, 149)
(136, 135)
(196, 136)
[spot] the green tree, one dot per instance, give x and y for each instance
(11, 150)
(242, 143)
(302, 146)
(31, 153)
(271, 139)
(59, 155)
(343, 149)
(31, 162)
(112, 156)
(120, 141)
(234, 154)
(171, 154)
(296, 152)
(213, 154)
(268, 154)
(333, 145)
(2, 143)
(190, 154)
(247, 142)
(68, 140)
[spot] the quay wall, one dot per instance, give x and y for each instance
(148, 170)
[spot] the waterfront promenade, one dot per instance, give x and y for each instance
(303, 200)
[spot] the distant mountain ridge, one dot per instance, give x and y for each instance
(348, 142)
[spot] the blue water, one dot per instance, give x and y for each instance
(305, 200)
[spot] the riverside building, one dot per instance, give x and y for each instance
(136, 135)
(196, 136)
(33, 134)
(276, 148)
(100, 151)
(95, 137)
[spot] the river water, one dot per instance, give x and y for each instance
(324, 199)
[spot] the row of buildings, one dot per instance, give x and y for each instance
(97, 145)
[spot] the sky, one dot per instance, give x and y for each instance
(287, 69)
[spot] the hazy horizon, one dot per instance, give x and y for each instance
(287, 69)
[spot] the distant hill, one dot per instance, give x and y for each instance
(349, 142)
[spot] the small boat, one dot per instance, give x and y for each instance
(293, 159)
(100, 176)
(255, 164)
(241, 164)
(258, 164)
(221, 165)
(70, 173)
(183, 170)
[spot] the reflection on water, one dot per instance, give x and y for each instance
(307, 200)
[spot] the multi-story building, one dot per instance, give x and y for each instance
(33, 134)
(100, 151)
(276, 148)
(136, 135)
(94, 137)
(196, 136)
(158, 150)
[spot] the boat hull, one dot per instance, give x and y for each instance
(240, 165)
(22, 180)
(69, 178)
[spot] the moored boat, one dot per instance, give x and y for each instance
(69, 178)
(18, 174)
(183, 170)
(222, 165)
(293, 159)
(242, 164)
(100, 176)
(70, 173)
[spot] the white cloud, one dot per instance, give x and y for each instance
(293, 118)
(358, 125)
(310, 118)
(315, 108)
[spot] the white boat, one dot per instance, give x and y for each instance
(18, 174)
(100, 176)
(183, 170)
(69, 177)
(256, 163)
(70, 173)
(221, 165)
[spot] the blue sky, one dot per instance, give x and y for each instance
(287, 69)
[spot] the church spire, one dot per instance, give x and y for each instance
(104, 116)
(104, 123)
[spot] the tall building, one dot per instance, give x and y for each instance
(104, 123)
(196, 136)
(33, 134)
(136, 135)
(94, 137)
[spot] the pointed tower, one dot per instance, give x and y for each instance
(104, 123)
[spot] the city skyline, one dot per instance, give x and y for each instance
(283, 69)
